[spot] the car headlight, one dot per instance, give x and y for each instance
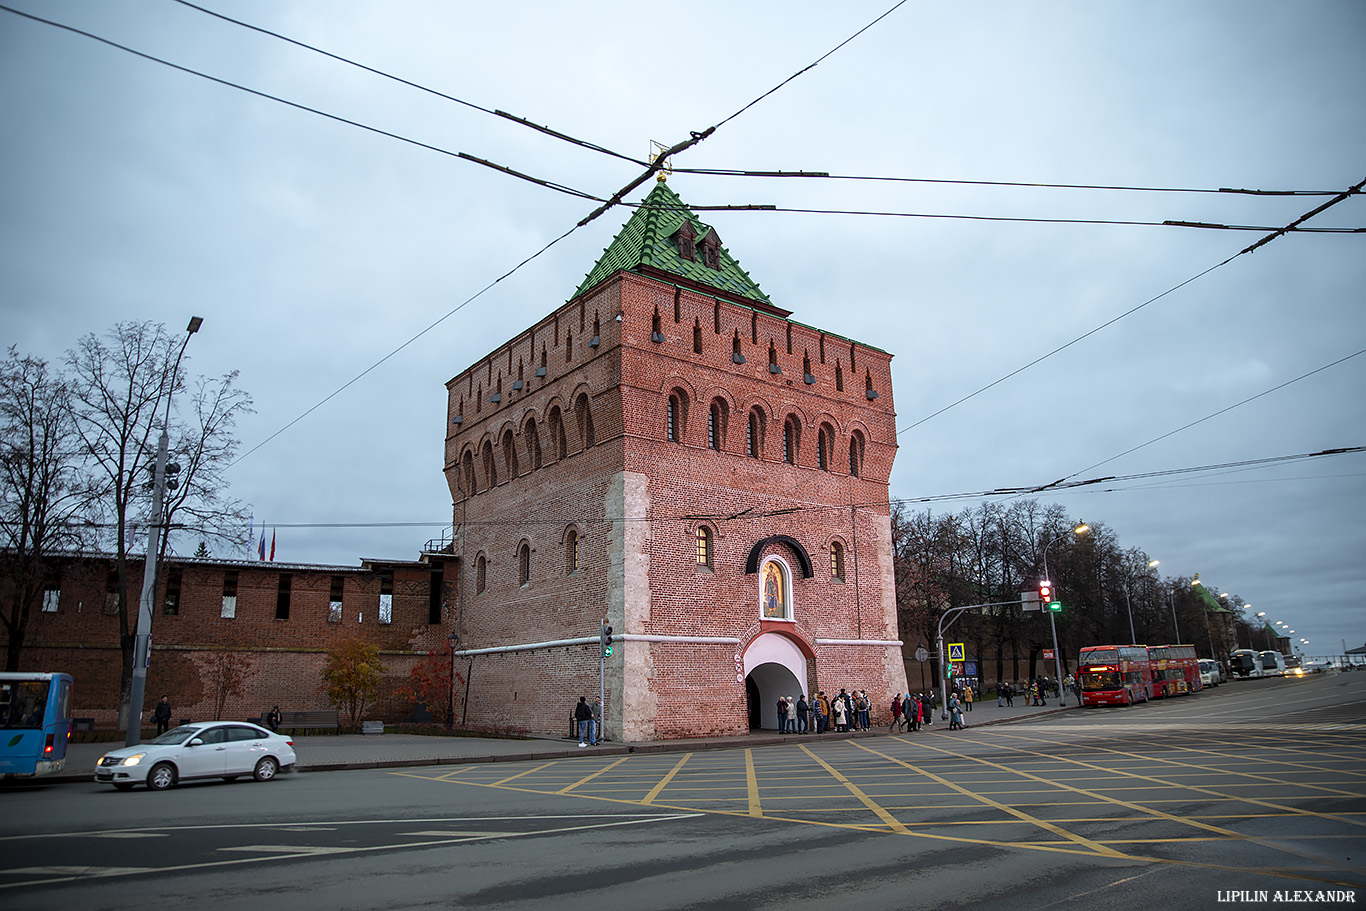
(135, 759)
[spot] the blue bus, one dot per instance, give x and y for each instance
(35, 723)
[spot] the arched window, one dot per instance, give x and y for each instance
(704, 546)
(716, 424)
(510, 454)
(791, 440)
(677, 417)
(523, 563)
(533, 443)
(481, 567)
(856, 454)
(775, 590)
(490, 467)
(823, 447)
(837, 561)
(467, 473)
(571, 552)
(754, 434)
(555, 421)
(584, 416)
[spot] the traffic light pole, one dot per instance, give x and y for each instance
(1057, 659)
(602, 672)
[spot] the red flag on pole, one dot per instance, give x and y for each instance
(272, 545)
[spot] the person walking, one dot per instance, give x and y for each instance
(955, 712)
(583, 716)
(803, 710)
(162, 715)
(896, 713)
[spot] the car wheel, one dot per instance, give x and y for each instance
(123, 786)
(161, 777)
(266, 769)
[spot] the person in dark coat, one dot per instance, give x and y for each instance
(162, 715)
(583, 715)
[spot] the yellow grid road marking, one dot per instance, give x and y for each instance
(664, 782)
(1200, 789)
(752, 785)
(602, 771)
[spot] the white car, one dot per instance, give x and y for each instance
(213, 749)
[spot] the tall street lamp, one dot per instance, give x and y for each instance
(1129, 603)
(142, 638)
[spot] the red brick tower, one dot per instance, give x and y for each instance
(670, 452)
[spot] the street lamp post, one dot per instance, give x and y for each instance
(451, 640)
(142, 637)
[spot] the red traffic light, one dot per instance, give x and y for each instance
(1045, 591)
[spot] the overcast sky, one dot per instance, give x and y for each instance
(133, 191)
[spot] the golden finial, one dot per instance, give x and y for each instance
(656, 150)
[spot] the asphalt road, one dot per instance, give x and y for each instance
(1199, 802)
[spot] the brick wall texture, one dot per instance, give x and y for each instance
(571, 494)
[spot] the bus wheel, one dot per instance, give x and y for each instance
(161, 777)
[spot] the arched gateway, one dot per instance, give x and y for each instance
(775, 665)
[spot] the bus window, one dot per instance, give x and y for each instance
(22, 703)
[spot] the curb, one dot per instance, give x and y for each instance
(618, 749)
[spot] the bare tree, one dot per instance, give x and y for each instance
(227, 672)
(43, 494)
(204, 448)
(121, 387)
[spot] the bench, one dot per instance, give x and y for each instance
(372, 727)
(305, 721)
(81, 725)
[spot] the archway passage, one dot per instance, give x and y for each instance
(752, 704)
(776, 665)
(764, 685)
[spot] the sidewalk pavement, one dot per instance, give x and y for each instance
(330, 753)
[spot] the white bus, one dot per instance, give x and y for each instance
(1273, 664)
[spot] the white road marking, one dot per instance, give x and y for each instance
(289, 849)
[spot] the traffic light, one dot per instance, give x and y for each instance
(1048, 598)
(605, 637)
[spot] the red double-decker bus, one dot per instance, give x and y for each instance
(1115, 675)
(1176, 670)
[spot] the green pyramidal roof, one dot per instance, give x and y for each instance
(1212, 604)
(648, 243)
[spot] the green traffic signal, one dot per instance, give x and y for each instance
(1055, 606)
(607, 651)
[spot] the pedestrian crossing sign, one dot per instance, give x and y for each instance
(956, 651)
